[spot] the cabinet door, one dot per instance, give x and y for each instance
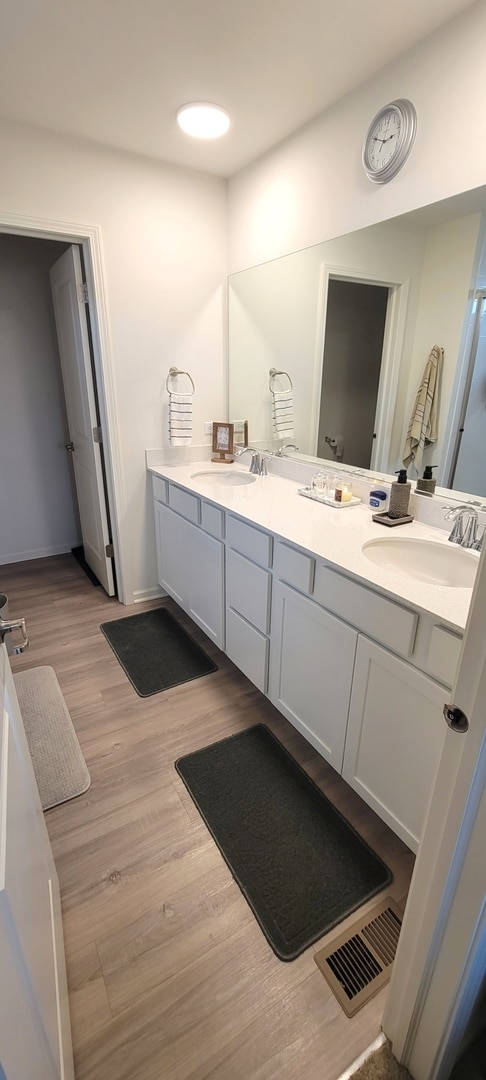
(190, 567)
(172, 553)
(205, 582)
(311, 668)
(395, 736)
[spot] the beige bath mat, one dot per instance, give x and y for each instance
(59, 766)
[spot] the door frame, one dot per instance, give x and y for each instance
(89, 239)
(396, 314)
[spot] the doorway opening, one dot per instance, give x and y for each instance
(39, 487)
(352, 360)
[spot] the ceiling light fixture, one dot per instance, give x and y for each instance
(203, 120)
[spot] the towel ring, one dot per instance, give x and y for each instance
(173, 371)
(273, 373)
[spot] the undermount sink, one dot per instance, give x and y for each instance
(226, 478)
(424, 560)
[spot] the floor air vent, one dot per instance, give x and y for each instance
(358, 963)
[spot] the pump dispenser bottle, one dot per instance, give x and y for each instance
(426, 485)
(399, 496)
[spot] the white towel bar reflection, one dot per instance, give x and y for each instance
(273, 373)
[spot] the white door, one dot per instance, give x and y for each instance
(74, 349)
(35, 1034)
(439, 967)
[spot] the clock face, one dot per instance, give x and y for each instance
(389, 140)
(384, 139)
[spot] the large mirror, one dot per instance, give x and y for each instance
(328, 345)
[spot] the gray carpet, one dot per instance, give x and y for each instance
(59, 766)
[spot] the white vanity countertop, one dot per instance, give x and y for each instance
(335, 535)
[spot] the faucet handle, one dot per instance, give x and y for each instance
(456, 513)
(477, 545)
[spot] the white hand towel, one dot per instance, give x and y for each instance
(180, 419)
(283, 414)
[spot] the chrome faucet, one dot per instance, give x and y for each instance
(258, 464)
(466, 535)
(287, 446)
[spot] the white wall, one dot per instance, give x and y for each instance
(313, 186)
(163, 235)
(38, 512)
(447, 278)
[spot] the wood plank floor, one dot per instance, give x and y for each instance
(170, 976)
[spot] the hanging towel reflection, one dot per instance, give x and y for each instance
(282, 405)
(423, 425)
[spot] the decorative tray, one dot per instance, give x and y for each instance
(309, 493)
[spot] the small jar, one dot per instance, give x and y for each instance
(318, 484)
(343, 492)
(331, 482)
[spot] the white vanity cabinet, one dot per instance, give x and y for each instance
(35, 1037)
(394, 738)
(190, 556)
(372, 713)
(362, 675)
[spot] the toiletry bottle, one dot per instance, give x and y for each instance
(399, 496)
(379, 497)
(426, 485)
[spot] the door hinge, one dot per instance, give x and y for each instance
(82, 292)
(97, 435)
(110, 554)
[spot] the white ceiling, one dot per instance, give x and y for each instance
(115, 71)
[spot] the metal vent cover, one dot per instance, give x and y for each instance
(358, 963)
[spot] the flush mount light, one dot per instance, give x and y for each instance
(203, 120)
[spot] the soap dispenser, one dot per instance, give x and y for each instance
(399, 496)
(426, 485)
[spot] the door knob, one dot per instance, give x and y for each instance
(69, 447)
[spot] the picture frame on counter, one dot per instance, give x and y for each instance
(223, 442)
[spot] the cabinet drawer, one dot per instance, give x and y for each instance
(248, 589)
(443, 655)
(254, 543)
(212, 520)
(160, 489)
(294, 567)
(377, 616)
(183, 502)
(248, 649)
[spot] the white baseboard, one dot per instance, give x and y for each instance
(141, 595)
(39, 553)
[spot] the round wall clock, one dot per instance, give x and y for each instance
(389, 140)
